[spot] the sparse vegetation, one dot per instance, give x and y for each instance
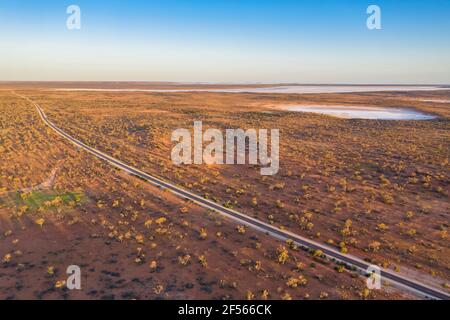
(374, 189)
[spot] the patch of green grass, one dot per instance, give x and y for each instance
(38, 199)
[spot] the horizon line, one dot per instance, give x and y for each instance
(227, 83)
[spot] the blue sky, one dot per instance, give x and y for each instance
(305, 41)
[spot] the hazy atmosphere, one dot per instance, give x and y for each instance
(231, 41)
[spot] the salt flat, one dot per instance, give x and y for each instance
(304, 89)
(358, 112)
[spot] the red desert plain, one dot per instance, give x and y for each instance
(363, 171)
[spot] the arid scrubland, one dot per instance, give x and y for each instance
(376, 189)
(61, 206)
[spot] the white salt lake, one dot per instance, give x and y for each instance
(358, 112)
(436, 100)
(302, 89)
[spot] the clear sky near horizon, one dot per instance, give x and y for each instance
(303, 41)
